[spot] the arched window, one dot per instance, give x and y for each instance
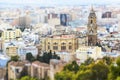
(48, 45)
(63, 46)
(91, 21)
(55, 46)
(70, 45)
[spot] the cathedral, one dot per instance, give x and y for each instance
(92, 28)
(62, 42)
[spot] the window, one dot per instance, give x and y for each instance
(70, 47)
(55, 47)
(63, 47)
(9, 34)
(91, 21)
(17, 70)
(48, 47)
(14, 34)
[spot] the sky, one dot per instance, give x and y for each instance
(59, 2)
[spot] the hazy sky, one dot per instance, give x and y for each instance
(51, 2)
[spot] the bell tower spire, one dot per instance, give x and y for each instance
(92, 8)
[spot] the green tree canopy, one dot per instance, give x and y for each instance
(118, 78)
(47, 56)
(91, 71)
(14, 58)
(115, 70)
(65, 75)
(28, 78)
(100, 71)
(74, 67)
(84, 75)
(88, 61)
(30, 57)
(107, 60)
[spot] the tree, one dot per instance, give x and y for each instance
(114, 70)
(22, 29)
(55, 56)
(100, 71)
(93, 71)
(74, 67)
(50, 54)
(118, 78)
(65, 75)
(30, 57)
(88, 61)
(98, 44)
(84, 75)
(47, 56)
(107, 60)
(14, 58)
(28, 78)
(46, 78)
(40, 58)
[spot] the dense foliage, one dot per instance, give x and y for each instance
(30, 57)
(44, 58)
(14, 58)
(28, 78)
(47, 56)
(104, 69)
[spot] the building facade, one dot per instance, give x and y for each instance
(16, 69)
(11, 34)
(60, 44)
(12, 50)
(36, 69)
(84, 52)
(40, 70)
(65, 19)
(1, 46)
(2, 73)
(56, 66)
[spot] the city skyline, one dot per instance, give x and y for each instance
(56, 2)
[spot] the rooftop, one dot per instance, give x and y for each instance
(40, 64)
(18, 63)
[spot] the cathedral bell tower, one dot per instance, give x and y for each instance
(92, 28)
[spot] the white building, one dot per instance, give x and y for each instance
(85, 52)
(28, 49)
(65, 56)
